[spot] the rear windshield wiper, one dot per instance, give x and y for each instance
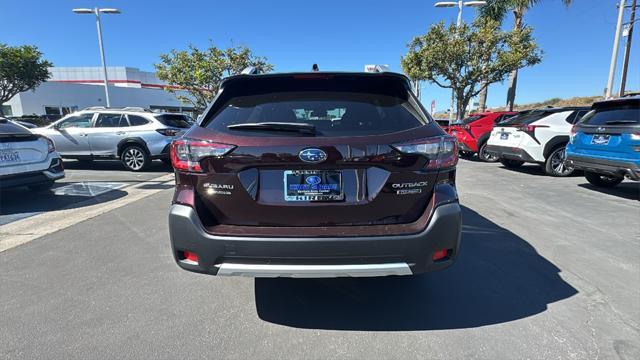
(275, 126)
(612, 122)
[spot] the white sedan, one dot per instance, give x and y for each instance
(27, 159)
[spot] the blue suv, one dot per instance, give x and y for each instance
(605, 144)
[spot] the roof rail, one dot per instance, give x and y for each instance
(136, 108)
(250, 70)
(94, 108)
(631, 94)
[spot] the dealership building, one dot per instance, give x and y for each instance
(74, 88)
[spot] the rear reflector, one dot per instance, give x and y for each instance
(439, 255)
(190, 256)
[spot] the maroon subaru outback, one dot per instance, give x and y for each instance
(315, 175)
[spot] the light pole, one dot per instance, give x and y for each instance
(459, 4)
(627, 48)
(614, 54)
(96, 11)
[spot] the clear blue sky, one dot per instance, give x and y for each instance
(338, 35)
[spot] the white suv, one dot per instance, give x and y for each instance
(136, 136)
(539, 136)
(27, 159)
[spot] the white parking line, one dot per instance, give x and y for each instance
(23, 231)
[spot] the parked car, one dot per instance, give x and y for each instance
(27, 159)
(28, 125)
(539, 136)
(271, 183)
(444, 123)
(605, 144)
(474, 131)
(135, 136)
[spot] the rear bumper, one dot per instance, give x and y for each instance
(605, 166)
(315, 256)
(510, 153)
(54, 172)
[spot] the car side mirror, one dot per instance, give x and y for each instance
(57, 127)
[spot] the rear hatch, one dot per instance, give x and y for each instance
(611, 129)
(511, 133)
(316, 150)
(18, 146)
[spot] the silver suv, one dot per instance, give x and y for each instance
(136, 136)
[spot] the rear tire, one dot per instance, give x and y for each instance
(600, 180)
(484, 156)
(511, 164)
(135, 158)
(41, 187)
(556, 165)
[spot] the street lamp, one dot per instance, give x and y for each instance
(96, 11)
(459, 4)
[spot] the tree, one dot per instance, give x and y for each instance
(459, 58)
(21, 69)
(199, 72)
(496, 10)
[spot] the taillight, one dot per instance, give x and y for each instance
(572, 133)
(51, 147)
(168, 132)
(186, 153)
(530, 128)
(442, 151)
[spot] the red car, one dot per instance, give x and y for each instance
(473, 132)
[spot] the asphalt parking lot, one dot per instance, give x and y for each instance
(549, 268)
(83, 181)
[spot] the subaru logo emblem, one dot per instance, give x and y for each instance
(600, 129)
(313, 180)
(312, 155)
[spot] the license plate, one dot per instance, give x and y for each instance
(504, 136)
(600, 139)
(9, 156)
(313, 185)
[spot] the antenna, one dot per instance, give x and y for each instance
(315, 67)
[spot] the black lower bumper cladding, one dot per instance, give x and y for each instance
(618, 168)
(345, 256)
(510, 153)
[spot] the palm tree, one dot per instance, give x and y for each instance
(497, 9)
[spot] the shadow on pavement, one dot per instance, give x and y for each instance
(112, 165)
(538, 170)
(20, 202)
(626, 190)
(499, 277)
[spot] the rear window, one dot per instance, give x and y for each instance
(174, 120)
(526, 119)
(619, 115)
(471, 119)
(332, 114)
(335, 104)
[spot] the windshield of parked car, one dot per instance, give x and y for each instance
(174, 120)
(619, 114)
